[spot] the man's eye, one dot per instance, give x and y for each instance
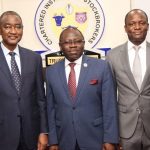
(131, 24)
(18, 26)
(15, 27)
(142, 23)
(66, 43)
(72, 42)
(7, 27)
(79, 41)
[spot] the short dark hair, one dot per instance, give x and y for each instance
(8, 13)
(69, 27)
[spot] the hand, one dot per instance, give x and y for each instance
(119, 147)
(42, 141)
(54, 147)
(108, 146)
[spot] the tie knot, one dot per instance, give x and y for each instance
(136, 48)
(12, 53)
(72, 65)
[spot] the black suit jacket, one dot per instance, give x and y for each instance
(30, 105)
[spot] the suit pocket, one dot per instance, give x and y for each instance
(98, 121)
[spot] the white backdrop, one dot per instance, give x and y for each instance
(114, 10)
(114, 29)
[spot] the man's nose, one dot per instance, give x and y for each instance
(13, 30)
(137, 26)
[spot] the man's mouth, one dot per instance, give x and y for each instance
(137, 33)
(12, 37)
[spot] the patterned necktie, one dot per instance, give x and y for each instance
(72, 80)
(137, 69)
(15, 72)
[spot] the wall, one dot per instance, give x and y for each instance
(113, 35)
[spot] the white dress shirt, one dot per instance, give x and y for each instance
(142, 55)
(8, 57)
(77, 68)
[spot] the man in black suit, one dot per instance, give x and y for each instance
(22, 110)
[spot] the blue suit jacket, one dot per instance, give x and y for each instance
(92, 119)
(30, 104)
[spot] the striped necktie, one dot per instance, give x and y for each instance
(15, 72)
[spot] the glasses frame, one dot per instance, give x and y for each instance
(75, 42)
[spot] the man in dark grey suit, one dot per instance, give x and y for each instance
(22, 110)
(82, 116)
(130, 64)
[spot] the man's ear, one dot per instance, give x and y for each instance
(60, 46)
(125, 28)
(148, 27)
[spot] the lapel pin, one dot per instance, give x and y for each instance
(85, 64)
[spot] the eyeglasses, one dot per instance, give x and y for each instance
(77, 42)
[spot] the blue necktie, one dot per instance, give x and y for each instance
(15, 72)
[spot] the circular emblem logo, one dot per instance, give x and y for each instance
(53, 16)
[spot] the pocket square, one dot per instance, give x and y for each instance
(94, 81)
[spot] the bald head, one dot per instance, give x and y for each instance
(136, 11)
(70, 29)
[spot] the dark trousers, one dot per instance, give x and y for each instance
(22, 145)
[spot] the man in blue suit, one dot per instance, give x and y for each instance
(86, 118)
(22, 110)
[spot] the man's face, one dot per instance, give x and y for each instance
(72, 44)
(11, 30)
(136, 27)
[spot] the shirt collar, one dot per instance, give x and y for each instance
(6, 50)
(131, 45)
(78, 61)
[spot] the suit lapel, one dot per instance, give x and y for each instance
(124, 57)
(4, 67)
(23, 63)
(147, 73)
(62, 75)
(83, 75)
(23, 60)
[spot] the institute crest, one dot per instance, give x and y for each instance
(52, 16)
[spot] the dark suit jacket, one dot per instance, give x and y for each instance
(30, 105)
(132, 102)
(92, 119)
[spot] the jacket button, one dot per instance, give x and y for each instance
(139, 111)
